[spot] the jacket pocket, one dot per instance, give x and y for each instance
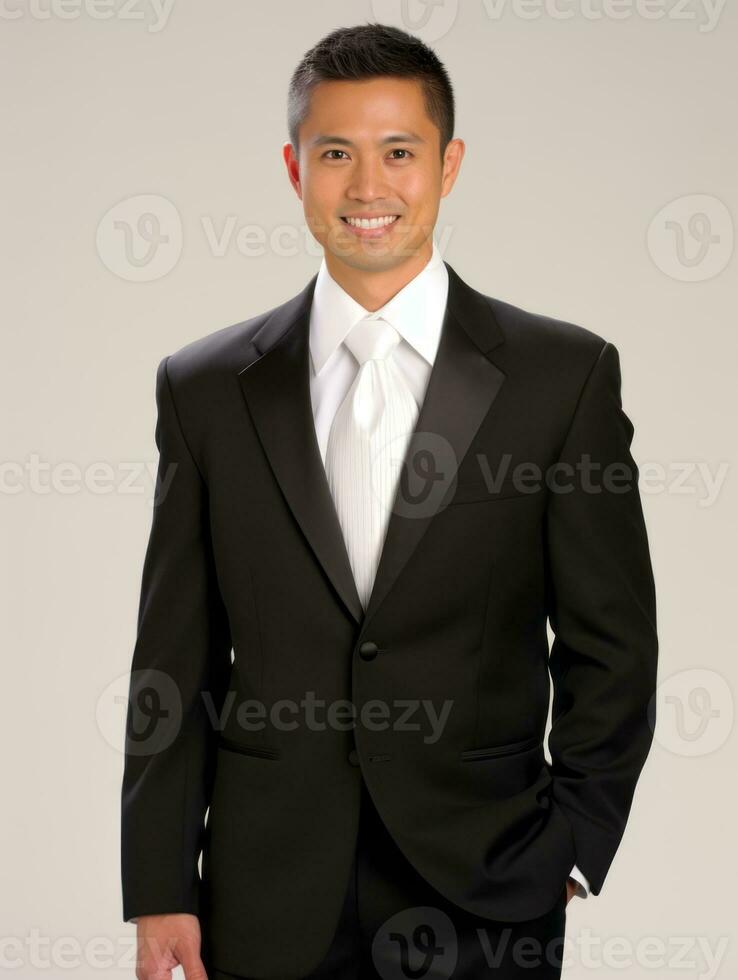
(477, 491)
(260, 751)
(493, 751)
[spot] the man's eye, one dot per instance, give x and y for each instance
(399, 150)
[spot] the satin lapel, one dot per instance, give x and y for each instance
(276, 385)
(275, 382)
(463, 384)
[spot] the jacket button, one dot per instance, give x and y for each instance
(368, 650)
(353, 757)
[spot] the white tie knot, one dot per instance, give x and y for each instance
(372, 339)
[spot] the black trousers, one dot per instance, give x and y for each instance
(395, 926)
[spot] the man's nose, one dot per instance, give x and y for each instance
(368, 183)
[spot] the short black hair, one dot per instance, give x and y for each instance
(370, 51)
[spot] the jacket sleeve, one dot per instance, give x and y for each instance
(179, 675)
(602, 610)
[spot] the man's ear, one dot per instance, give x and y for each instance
(293, 167)
(451, 164)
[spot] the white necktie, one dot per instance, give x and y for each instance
(367, 444)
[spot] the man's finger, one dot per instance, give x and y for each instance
(188, 954)
(189, 958)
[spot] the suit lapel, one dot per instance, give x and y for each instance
(275, 382)
(276, 385)
(462, 386)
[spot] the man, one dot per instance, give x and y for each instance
(376, 495)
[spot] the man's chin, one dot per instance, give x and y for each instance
(372, 256)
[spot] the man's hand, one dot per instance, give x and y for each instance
(168, 941)
(571, 889)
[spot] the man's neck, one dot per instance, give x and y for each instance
(373, 289)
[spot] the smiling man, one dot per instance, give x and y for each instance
(378, 506)
(371, 166)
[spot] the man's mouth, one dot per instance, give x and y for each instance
(381, 221)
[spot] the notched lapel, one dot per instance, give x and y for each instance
(463, 384)
(276, 385)
(275, 381)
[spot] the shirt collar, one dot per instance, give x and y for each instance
(416, 311)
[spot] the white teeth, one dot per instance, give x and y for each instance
(372, 222)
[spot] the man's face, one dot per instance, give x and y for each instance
(368, 149)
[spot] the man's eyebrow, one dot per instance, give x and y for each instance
(321, 140)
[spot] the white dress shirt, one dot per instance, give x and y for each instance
(417, 313)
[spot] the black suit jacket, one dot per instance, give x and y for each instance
(246, 556)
